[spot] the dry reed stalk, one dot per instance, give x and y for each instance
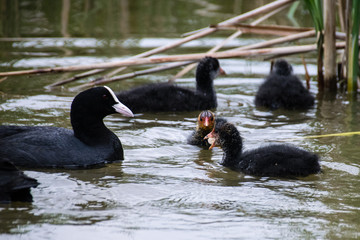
(132, 74)
(175, 58)
(260, 10)
(307, 76)
(214, 49)
(231, 37)
(264, 29)
(275, 41)
(76, 77)
(154, 60)
(263, 9)
(184, 71)
(275, 5)
(174, 65)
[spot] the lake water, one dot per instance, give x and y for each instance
(165, 188)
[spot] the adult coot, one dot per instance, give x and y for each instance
(282, 89)
(14, 184)
(164, 97)
(205, 123)
(90, 143)
(277, 160)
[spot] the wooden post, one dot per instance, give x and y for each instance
(329, 45)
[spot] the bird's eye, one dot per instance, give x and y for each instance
(201, 119)
(212, 118)
(105, 96)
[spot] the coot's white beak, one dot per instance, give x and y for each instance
(118, 106)
(124, 110)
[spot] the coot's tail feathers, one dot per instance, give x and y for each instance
(14, 184)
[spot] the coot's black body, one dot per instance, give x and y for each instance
(277, 160)
(163, 97)
(283, 89)
(14, 184)
(205, 124)
(89, 144)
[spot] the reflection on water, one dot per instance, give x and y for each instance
(166, 188)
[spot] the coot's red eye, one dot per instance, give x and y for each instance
(104, 96)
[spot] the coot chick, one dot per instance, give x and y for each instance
(163, 97)
(283, 89)
(89, 144)
(204, 125)
(14, 184)
(276, 160)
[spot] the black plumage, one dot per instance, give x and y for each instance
(162, 97)
(276, 160)
(283, 89)
(89, 144)
(204, 125)
(14, 184)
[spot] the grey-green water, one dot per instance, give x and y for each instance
(166, 189)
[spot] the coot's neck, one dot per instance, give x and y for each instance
(232, 148)
(204, 82)
(90, 129)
